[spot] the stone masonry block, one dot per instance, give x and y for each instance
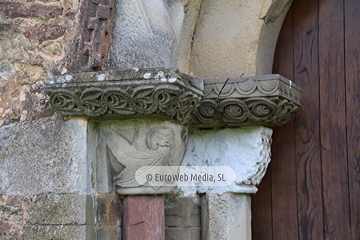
(182, 212)
(43, 157)
(57, 209)
(103, 233)
(179, 233)
(26, 10)
(44, 32)
(104, 210)
(50, 232)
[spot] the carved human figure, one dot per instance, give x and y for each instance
(160, 144)
(150, 33)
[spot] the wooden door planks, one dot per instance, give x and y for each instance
(324, 56)
(352, 71)
(262, 210)
(332, 119)
(307, 123)
(283, 179)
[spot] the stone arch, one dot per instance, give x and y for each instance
(236, 37)
(203, 38)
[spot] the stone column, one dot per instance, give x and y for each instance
(226, 210)
(126, 146)
(153, 106)
(226, 216)
(144, 218)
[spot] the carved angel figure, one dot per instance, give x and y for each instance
(160, 144)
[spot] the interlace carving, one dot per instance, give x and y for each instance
(160, 96)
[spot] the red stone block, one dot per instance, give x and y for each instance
(28, 10)
(44, 32)
(103, 12)
(144, 218)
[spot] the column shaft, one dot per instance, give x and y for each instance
(144, 218)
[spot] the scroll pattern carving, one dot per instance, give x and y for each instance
(162, 96)
(268, 100)
(265, 100)
(95, 102)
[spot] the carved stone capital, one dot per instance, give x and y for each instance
(150, 96)
(127, 94)
(268, 100)
(129, 145)
(246, 150)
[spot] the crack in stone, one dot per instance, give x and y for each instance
(223, 87)
(226, 83)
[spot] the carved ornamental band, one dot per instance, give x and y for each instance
(155, 93)
(269, 100)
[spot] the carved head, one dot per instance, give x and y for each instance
(160, 138)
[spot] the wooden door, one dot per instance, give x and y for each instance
(312, 188)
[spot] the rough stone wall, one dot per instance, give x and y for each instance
(45, 186)
(35, 38)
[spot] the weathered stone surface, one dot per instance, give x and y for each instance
(58, 209)
(122, 147)
(46, 216)
(135, 93)
(25, 62)
(44, 32)
(13, 214)
(246, 150)
(144, 218)
(153, 33)
(29, 74)
(180, 233)
(236, 37)
(15, 9)
(6, 71)
(103, 233)
(42, 157)
(219, 39)
(226, 217)
(51, 48)
(104, 210)
(268, 100)
(183, 212)
(50, 232)
(92, 44)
